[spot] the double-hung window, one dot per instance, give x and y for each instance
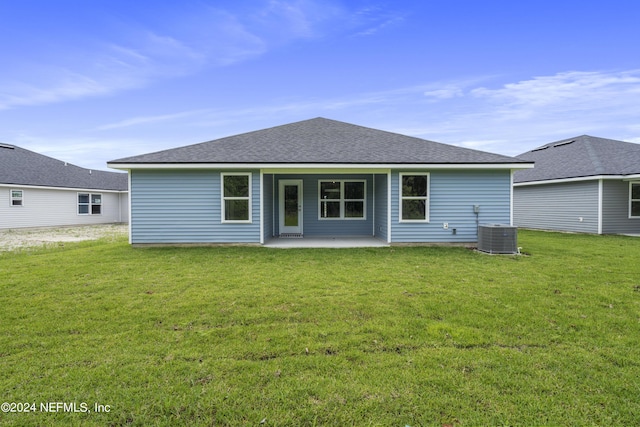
(342, 199)
(236, 197)
(89, 204)
(414, 197)
(634, 199)
(16, 197)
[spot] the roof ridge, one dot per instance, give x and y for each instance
(593, 155)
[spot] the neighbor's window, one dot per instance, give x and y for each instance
(342, 199)
(89, 204)
(16, 197)
(634, 208)
(414, 197)
(236, 197)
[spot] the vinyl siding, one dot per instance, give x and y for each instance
(452, 195)
(314, 226)
(381, 205)
(43, 207)
(557, 206)
(615, 209)
(184, 206)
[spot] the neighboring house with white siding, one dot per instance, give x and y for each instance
(39, 191)
(582, 184)
(316, 178)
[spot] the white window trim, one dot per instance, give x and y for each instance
(11, 198)
(90, 204)
(224, 199)
(427, 198)
(631, 184)
(342, 200)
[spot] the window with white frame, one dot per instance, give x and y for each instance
(89, 204)
(634, 199)
(342, 199)
(414, 197)
(16, 197)
(236, 197)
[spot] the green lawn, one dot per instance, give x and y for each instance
(387, 336)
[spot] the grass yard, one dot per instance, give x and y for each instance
(395, 336)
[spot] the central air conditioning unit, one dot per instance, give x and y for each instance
(498, 239)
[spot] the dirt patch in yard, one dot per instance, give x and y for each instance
(20, 238)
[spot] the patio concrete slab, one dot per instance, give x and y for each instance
(326, 242)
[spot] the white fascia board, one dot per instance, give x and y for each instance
(580, 179)
(632, 177)
(318, 167)
(44, 187)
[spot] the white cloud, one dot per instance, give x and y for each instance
(446, 92)
(531, 112)
(143, 120)
(134, 57)
(575, 87)
(371, 20)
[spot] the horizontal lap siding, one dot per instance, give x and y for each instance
(184, 206)
(56, 207)
(451, 199)
(557, 206)
(615, 209)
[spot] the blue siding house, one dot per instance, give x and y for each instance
(317, 178)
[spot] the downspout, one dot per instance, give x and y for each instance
(130, 172)
(600, 203)
(373, 184)
(389, 206)
(511, 198)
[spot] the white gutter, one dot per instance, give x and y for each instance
(582, 178)
(44, 187)
(319, 167)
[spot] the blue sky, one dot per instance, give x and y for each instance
(88, 81)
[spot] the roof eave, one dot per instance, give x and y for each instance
(488, 165)
(632, 177)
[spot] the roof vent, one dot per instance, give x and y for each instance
(560, 144)
(10, 147)
(544, 147)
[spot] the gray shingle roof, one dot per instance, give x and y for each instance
(23, 167)
(320, 141)
(578, 157)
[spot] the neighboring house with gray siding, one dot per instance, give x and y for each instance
(582, 184)
(39, 191)
(313, 178)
